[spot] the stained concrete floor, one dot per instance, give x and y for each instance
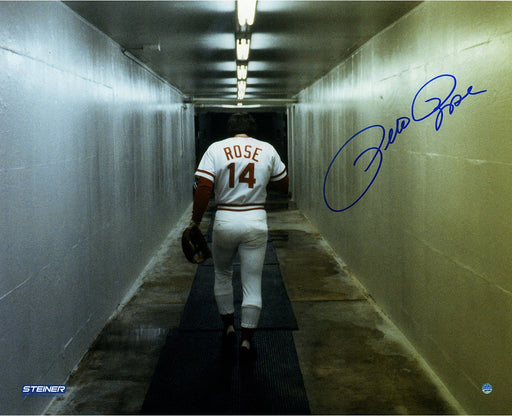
(354, 361)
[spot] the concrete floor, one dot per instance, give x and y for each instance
(354, 361)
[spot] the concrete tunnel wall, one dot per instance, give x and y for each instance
(96, 166)
(431, 238)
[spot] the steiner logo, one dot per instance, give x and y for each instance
(43, 389)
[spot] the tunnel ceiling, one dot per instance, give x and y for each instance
(191, 44)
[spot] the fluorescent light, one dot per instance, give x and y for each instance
(241, 72)
(242, 49)
(242, 85)
(246, 11)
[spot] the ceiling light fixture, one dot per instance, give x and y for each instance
(241, 72)
(246, 12)
(242, 85)
(242, 49)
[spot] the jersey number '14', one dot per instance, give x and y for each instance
(247, 175)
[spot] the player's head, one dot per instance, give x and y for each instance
(242, 123)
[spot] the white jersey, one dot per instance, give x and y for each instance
(241, 168)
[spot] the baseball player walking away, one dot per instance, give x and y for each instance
(239, 169)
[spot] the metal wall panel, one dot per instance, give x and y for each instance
(96, 165)
(430, 239)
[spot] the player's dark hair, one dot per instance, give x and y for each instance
(242, 123)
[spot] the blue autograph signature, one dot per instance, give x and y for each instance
(436, 107)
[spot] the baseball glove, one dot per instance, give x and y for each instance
(194, 245)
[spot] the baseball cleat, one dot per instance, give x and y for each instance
(228, 339)
(247, 351)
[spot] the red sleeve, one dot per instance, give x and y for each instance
(201, 199)
(281, 185)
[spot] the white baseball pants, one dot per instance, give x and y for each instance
(245, 232)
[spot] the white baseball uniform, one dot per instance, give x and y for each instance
(240, 168)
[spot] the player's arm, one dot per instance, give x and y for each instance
(281, 185)
(279, 181)
(201, 199)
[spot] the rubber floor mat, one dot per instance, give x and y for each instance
(195, 375)
(201, 311)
